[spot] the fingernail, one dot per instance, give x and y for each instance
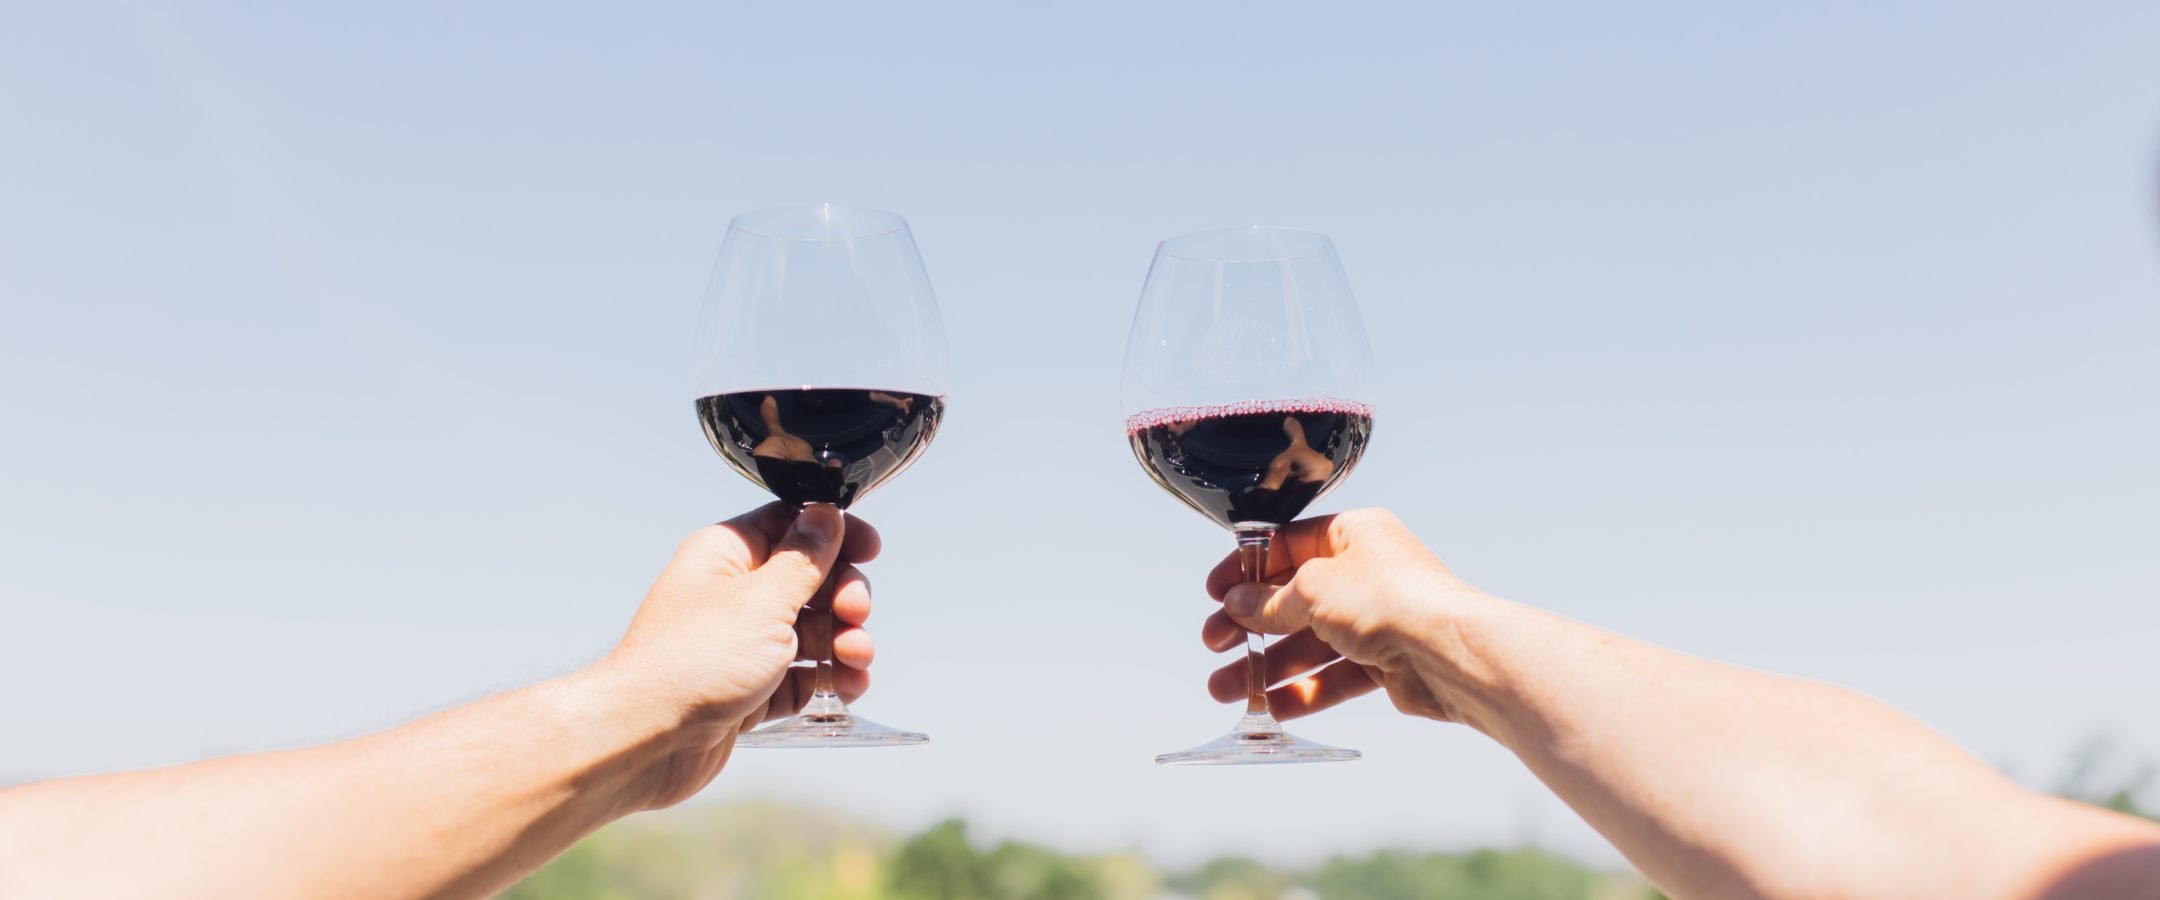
(1243, 600)
(817, 523)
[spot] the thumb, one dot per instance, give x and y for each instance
(802, 559)
(1269, 609)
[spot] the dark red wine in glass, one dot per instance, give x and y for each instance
(820, 445)
(1259, 462)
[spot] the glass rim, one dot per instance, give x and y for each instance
(1180, 246)
(815, 223)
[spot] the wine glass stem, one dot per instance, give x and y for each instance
(824, 700)
(1252, 558)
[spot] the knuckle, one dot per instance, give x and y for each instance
(1283, 603)
(1318, 581)
(1405, 705)
(1316, 572)
(1351, 631)
(1371, 518)
(793, 564)
(703, 541)
(1368, 627)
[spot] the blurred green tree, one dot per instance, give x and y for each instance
(1524, 874)
(940, 863)
(1231, 878)
(2099, 775)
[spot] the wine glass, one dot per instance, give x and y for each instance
(819, 374)
(1247, 377)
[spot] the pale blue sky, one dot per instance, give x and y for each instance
(343, 364)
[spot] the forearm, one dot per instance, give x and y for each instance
(455, 805)
(1723, 782)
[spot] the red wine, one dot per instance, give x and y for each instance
(820, 445)
(1260, 461)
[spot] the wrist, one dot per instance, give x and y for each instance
(631, 733)
(1465, 658)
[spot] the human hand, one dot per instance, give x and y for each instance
(713, 643)
(1356, 587)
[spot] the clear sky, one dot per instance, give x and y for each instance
(343, 365)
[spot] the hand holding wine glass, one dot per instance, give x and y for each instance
(713, 647)
(1357, 588)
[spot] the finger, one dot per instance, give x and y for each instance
(1320, 690)
(852, 648)
(1219, 633)
(1293, 545)
(810, 631)
(851, 596)
(1227, 574)
(737, 545)
(850, 683)
(1269, 609)
(800, 561)
(793, 692)
(840, 604)
(861, 542)
(795, 689)
(759, 529)
(1288, 658)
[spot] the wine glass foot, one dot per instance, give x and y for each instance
(829, 729)
(1257, 741)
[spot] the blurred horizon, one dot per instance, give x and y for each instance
(345, 363)
(761, 848)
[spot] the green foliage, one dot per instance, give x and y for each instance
(744, 851)
(938, 863)
(767, 851)
(2099, 776)
(580, 874)
(941, 864)
(1484, 874)
(1038, 873)
(770, 851)
(1232, 878)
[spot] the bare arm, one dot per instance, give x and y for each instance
(461, 803)
(1716, 781)
(453, 805)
